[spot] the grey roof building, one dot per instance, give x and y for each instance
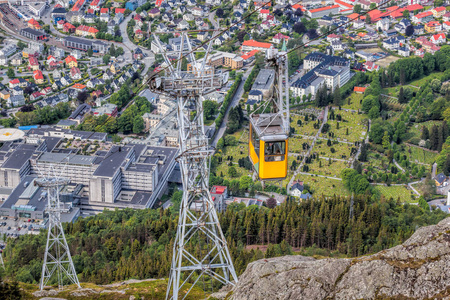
(264, 82)
(132, 175)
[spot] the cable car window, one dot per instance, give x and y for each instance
(255, 142)
(275, 151)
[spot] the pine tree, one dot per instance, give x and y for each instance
(441, 134)
(444, 130)
(385, 140)
(446, 167)
(425, 133)
(401, 96)
(434, 137)
(337, 96)
(402, 77)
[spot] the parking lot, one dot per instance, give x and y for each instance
(14, 227)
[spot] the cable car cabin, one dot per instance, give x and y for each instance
(268, 146)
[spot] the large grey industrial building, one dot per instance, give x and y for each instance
(132, 175)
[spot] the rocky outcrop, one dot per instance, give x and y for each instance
(417, 269)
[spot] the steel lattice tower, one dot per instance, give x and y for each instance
(200, 252)
(57, 255)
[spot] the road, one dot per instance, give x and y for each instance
(214, 23)
(433, 170)
(234, 103)
(128, 44)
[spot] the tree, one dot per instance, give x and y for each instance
(106, 59)
(372, 6)
(368, 19)
(434, 138)
(423, 204)
(337, 98)
(112, 49)
(357, 8)
(374, 113)
(271, 203)
(82, 96)
(363, 153)
(138, 124)
(10, 73)
(277, 12)
(209, 109)
(90, 52)
(11, 290)
(219, 12)
(406, 13)
(446, 167)
(425, 133)
(312, 33)
(409, 30)
(435, 85)
(299, 27)
(21, 45)
(298, 12)
(385, 140)
(401, 97)
(232, 172)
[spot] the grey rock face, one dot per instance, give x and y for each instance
(417, 269)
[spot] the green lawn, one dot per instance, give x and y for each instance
(396, 192)
(296, 144)
(324, 186)
(342, 150)
(238, 152)
(307, 128)
(420, 82)
(357, 130)
(353, 101)
(419, 155)
(333, 170)
(415, 131)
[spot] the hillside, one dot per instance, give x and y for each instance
(417, 269)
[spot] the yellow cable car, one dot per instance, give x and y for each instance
(269, 132)
(268, 147)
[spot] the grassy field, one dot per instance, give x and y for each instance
(420, 82)
(419, 155)
(307, 128)
(238, 152)
(415, 131)
(333, 170)
(396, 192)
(296, 144)
(353, 121)
(145, 289)
(324, 186)
(353, 101)
(342, 150)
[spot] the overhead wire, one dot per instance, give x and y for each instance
(258, 8)
(288, 52)
(196, 48)
(340, 26)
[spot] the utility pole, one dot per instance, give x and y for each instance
(200, 253)
(57, 254)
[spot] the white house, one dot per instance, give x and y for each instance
(438, 39)
(296, 188)
(403, 51)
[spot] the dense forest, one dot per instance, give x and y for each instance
(118, 245)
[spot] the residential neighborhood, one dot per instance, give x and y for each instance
(84, 65)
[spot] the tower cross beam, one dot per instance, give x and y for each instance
(200, 245)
